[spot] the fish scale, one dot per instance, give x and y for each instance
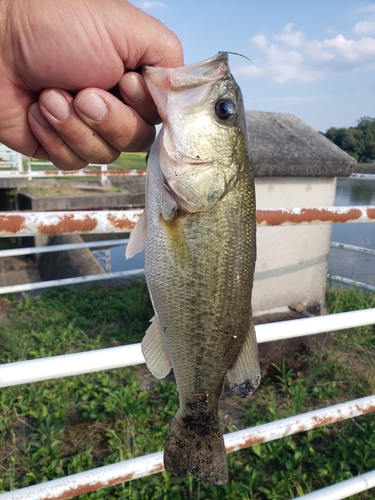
(199, 232)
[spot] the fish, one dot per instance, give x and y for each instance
(199, 234)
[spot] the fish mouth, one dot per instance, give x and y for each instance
(184, 87)
(189, 76)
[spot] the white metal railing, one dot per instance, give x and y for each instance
(104, 359)
(350, 281)
(25, 287)
(147, 465)
(39, 285)
(22, 167)
(36, 370)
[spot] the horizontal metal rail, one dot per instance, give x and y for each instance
(352, 248)
(84, 222)
(37, 174)
(100, 221)
(351, 282)
(39, 285)
(358, 175)
(14, 252)
(337, 215)
(22, 167)
(102, 477)
(36, 370)
(344, 489)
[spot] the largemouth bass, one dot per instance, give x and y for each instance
(199, 232)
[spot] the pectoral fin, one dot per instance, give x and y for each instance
(153, 351)
(176, 241)
(244, 376)
(137, 240)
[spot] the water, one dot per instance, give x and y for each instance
(353, 265)
(351, 192)
(119, 263)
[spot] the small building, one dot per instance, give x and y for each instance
(295, 166)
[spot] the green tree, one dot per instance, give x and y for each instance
(357, 141)
(366, 127)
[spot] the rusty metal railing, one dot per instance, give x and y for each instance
(135, 468)
(23, 223)
(22, 167)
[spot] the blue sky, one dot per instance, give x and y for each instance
(312, 58)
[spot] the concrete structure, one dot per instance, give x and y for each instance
(295, 166)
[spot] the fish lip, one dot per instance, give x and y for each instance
(191, 75)
(206, 62)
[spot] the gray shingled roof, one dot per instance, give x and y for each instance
(283, 145)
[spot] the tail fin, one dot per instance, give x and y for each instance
(195, 444)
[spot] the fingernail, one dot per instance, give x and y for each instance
(133, 87)
(37, 115)
(92, 105)
(56, 104)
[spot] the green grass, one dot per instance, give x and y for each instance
(130, 160)
(59, 427)
(125, 161)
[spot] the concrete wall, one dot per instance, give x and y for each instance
(292, 261)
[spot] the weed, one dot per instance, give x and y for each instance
(59, 427)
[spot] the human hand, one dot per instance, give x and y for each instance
(57, 63)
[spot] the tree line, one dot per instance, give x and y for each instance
(357, 141)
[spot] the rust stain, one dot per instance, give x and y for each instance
(51, 173)
(121, 223)
(125, 172)
(321, 421)
(89, 488)
(12, 223)
(250, 441)
(69, 224)
(371, 213)
(155, 470)
(96, 172)
(364, 411)
(279, 217)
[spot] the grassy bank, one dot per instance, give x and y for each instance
(60, 427)
(125, 160)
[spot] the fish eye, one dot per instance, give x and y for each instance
(225, 109)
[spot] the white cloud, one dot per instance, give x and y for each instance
(353, 53)
(365, 27)
(369, 8)
(260, 41)
(151, 5)
(290, 37)
(291, 57)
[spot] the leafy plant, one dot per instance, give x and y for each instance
(59, 427)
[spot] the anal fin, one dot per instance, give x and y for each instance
(244, 376)
(153, 351)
